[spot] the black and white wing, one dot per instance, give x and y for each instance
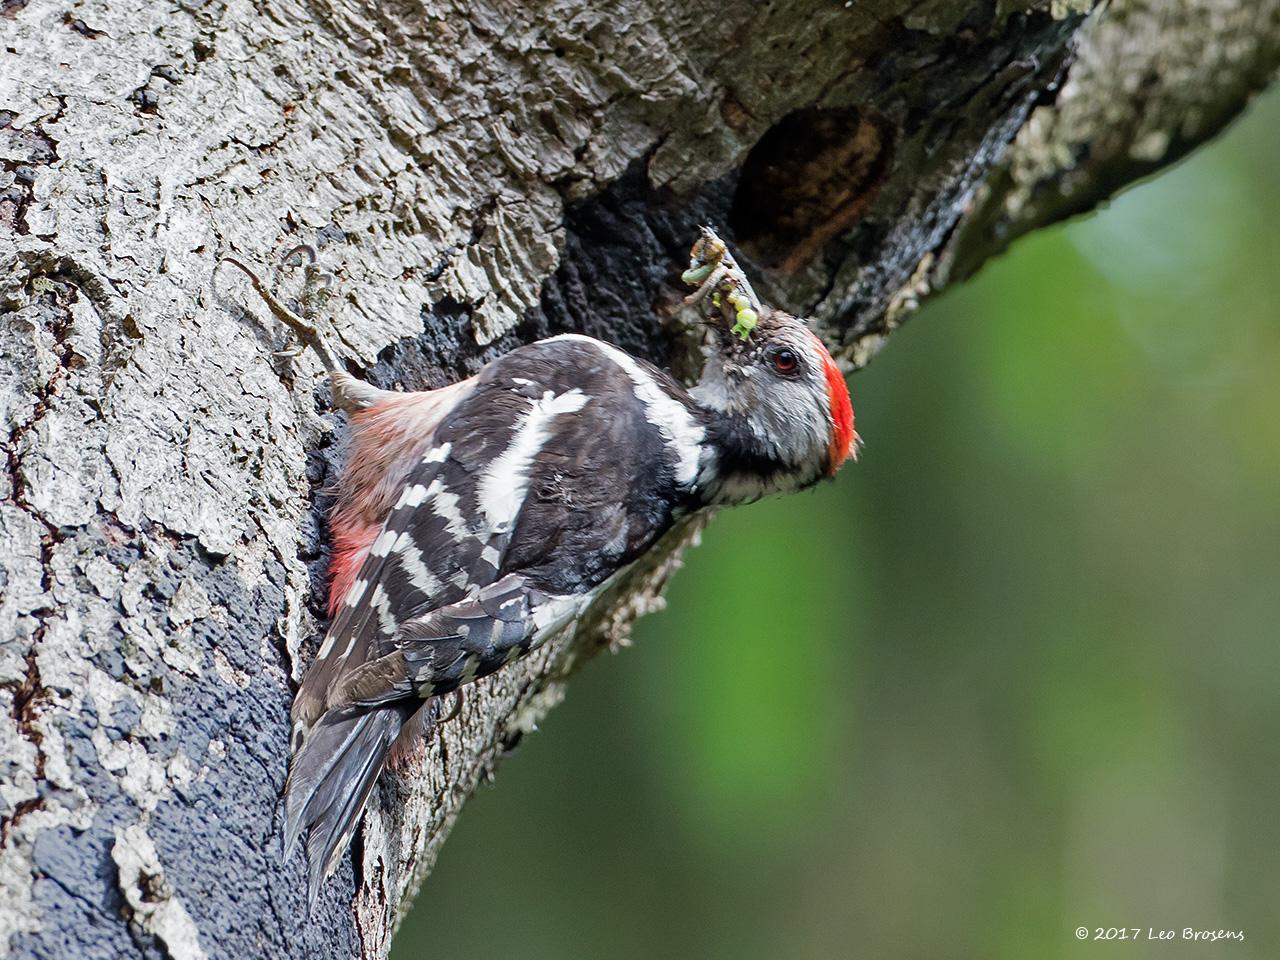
(565, 463)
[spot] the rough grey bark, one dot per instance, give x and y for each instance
(475, 176)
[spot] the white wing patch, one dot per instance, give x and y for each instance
(382, 546)
(445, 505)
(502, 489)
(411, 561)
(386, 620)
(551, 616)
(671, 418)
(356, 592)
(326, 648)
(412, 496)
(437, 454)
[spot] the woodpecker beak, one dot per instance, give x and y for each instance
(722, 288)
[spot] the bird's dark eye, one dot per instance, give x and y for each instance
(785, 361)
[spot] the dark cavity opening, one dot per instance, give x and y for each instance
(806, 181)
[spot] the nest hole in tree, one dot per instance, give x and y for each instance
(806, 181)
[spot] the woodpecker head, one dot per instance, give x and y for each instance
(785, 420)
(785, 408)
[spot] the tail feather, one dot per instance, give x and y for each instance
(330, 780)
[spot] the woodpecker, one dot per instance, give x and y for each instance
(475, 522)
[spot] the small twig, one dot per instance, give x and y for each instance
(309, 335)
(304, 248)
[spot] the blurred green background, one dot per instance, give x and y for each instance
(1015, 672)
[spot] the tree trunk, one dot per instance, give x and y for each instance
(475, 176)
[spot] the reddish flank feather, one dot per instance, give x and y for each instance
(389, 436)
(351, 544)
